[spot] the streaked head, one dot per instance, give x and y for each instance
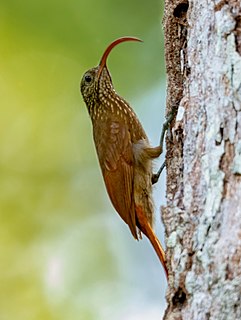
(98, 80)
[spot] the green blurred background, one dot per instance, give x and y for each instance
(64, 252)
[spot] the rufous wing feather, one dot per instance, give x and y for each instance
(118, 171)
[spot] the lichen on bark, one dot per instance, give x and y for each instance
(203, 212)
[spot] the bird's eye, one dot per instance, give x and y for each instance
(88, 78)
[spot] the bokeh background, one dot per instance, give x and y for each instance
(64, 252)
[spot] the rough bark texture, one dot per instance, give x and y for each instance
(203, 212)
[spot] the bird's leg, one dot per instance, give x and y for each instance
(155, 176)
(165, 126)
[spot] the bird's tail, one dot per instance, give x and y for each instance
(146, 228)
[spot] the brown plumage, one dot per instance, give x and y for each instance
(123, 149)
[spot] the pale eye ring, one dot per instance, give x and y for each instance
(88, 78)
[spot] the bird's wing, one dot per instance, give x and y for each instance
(117, 164)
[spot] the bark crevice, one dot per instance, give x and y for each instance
(202, 216)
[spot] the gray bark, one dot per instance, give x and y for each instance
(203, 212)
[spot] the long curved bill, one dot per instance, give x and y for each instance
(103, 60)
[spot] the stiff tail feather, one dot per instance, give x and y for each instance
(146, 228)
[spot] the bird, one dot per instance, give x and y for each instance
(124, 152)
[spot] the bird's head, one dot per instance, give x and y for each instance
(97, 81)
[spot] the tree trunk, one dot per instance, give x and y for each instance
(203, 212)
